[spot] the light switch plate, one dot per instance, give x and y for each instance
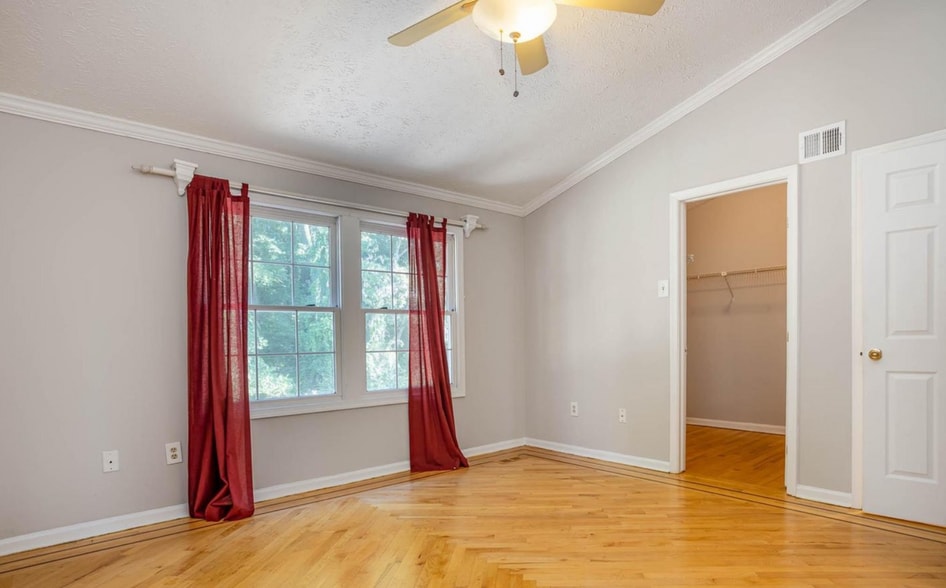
(663, 288)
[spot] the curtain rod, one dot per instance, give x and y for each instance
(183, 172)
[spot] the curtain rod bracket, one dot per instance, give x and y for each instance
(470, 224)
(182, 172)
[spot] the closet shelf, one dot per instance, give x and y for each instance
(725, 275)
(757, 270)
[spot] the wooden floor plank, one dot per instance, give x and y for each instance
(527, 517)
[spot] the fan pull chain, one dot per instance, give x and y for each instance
(515, 64)
(502, 70)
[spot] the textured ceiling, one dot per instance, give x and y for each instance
(318, 80)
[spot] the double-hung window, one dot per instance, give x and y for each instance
(292, 307)
(385, 282)
(328, 309)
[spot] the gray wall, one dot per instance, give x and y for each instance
(92, 355)
(599, 335)
(736, 340)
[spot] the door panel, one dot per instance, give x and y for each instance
(904, 261)
(910, 278)
(910, 430)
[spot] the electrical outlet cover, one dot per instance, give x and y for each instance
(172, 453)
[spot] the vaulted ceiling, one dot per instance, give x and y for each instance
(319, 81)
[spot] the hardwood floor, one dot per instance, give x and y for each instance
(525, 517)
(727, 456)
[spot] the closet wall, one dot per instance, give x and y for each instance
(736, 340)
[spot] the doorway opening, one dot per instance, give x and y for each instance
(740, 318)
(735, 340)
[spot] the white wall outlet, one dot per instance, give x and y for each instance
(663, 288)
(172, 451)
(573, 409)
(622, 415)
(110, 461)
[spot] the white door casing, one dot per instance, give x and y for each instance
(789, 176)
(901, 196)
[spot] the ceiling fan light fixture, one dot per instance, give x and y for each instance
(500, 18)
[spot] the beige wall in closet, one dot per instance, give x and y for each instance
(736, 341)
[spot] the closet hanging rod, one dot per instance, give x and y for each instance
(773, 268)
(182, 172)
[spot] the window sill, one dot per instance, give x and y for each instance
(278, 408)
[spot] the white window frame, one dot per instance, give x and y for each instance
(282, 405)
(350, 359)
(451, 300)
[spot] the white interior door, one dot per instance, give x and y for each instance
(904, 332)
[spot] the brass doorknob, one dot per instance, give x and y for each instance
(875, 354)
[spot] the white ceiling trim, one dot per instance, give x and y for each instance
(46, 111)
(74, 117)
(727, 81)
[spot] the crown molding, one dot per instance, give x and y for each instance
(808, 29)
(92, 121)
(46, 111)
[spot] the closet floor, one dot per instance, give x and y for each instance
(739, 459)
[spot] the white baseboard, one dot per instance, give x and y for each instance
(280, 490)
(302, 486)
(494, 447)
(159, 515)
(91, 529)
(631, 460)
(822, 495)
(754, 427)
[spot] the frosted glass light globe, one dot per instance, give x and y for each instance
(529, 18)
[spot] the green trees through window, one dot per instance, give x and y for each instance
(292, 315)
(302, 324)
(384, 297)
(384, 288)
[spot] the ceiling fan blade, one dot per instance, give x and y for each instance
(532, 56)
(646, 7)
(432, 24)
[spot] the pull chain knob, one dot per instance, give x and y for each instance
(515, 64)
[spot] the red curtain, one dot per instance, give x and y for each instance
(220, 471)
(433, 436)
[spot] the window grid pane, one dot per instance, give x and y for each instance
(376, 289)
(311, 245)
(277, 376)
(271, 284)
(275, 332)
(381, 370)
(316, 374)
(271, 240)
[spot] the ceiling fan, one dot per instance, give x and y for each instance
(520, 22)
